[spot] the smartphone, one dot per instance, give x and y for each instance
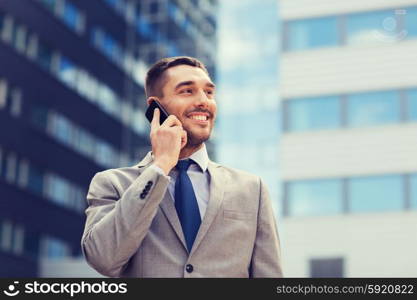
(149, 112)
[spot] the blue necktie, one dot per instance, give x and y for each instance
(186, 203)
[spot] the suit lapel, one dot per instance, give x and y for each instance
(167, 203)
(217, 184)
(168, 208)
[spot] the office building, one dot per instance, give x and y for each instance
(348, 85)
(72, 104)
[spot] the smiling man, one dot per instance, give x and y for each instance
(176, 213)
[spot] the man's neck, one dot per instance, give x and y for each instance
(187, 151)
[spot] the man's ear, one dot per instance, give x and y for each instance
(150, 99)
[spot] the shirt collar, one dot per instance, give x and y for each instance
(200, 157)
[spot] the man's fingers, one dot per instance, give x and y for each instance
(172, 121)
(155, 119)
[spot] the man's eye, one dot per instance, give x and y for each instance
(186, 91)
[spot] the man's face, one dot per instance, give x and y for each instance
(188, 93)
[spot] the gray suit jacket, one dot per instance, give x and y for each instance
(133, 231)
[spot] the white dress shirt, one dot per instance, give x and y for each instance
(199, 176)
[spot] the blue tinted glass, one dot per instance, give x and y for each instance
(313, 113)
(412, 104)
(35, 180)
(67, 71)
(371, 27)
(413, 191)
(70, 15)
(376, 194)
(108, 45)
(50, 4)
(44, 56)
(312, 33)
(411, 22)
(315, 197)
(373, 108)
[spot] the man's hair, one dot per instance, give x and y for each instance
(155, 73)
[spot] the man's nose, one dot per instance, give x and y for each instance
(202, 98)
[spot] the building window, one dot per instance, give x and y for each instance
(326, 267)
(373, 108)
(105, 155)
(58, 190)
(61, 128)
(16, 102)
(67, 71)
(412, 104)
(376, 194)
(50, 4)
(413, 191)
(11, 237)
(366, 28)
(31, 244)
(44, 56)
(313, 113)
(35, 180)
(71, 16)
(6, 235)
(23, 173)
(314, 197)
(19, 38)
(311, 33)
(11, 168)
(86, 143)
(53, 248)
(411, 22)
(3, 93)
(39, 116)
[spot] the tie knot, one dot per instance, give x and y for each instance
(183, 165)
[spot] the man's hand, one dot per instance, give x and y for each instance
(167, 141)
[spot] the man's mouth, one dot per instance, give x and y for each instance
(199, 117)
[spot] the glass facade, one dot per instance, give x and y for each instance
(312, 33)
(413, 191)
(412, 104)
(350, 29)
(366, 28)
(411, 22)
(313, 113)
(314, 197)
(373, 108)
(358, 110)
(370, 194)
(376, 194)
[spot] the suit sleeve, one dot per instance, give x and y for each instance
(266, 257)
(117, 224)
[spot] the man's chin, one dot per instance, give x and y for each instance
(194, 139)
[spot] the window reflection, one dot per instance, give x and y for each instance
(313, 113)
(373, 108)
(314, 197)
(44, 56)
(376, 194)
(412, 104)
(67, 71)
(411, 22)
(367, 28)
(413, 191)
(312, 33)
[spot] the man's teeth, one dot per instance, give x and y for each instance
(198, 117)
